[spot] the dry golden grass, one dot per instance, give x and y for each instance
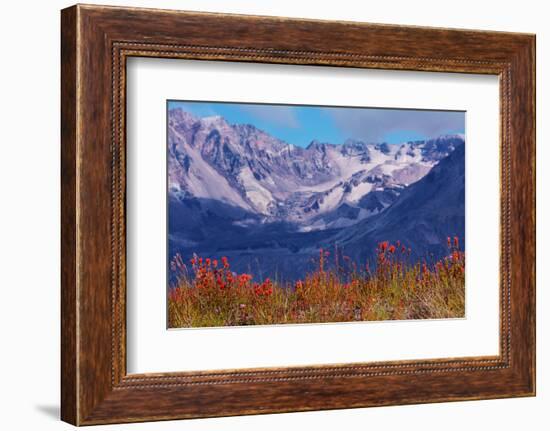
(212, 295)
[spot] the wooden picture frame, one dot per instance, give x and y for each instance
(95, 43)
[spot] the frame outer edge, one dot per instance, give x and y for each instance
(532, 101)
(69, 202)
(533, 54)
(530, 63)
(523, 183)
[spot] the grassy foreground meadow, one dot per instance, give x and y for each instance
(208, 293)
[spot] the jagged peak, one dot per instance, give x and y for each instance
(181, 114)
(316, 144)
(352, 141)
(214, 120)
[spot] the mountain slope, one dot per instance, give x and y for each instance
(319, 187)
(422, 217)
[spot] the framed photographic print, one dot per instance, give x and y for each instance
(325, 214)
(261, 231)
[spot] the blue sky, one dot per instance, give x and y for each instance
(299, 125)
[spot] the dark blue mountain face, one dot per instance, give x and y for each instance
(422, 218)
(270, 207)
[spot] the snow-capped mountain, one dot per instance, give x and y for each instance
(240, 169)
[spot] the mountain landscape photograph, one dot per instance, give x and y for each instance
(313, 214)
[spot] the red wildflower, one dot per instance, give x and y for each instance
(456, 241)
(383, 246)
(244, 279)
(449, 241)
(264, 289)
(392, 249)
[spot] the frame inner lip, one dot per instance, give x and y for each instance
(124, 49)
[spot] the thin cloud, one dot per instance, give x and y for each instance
(283, 116)
(373, 125)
